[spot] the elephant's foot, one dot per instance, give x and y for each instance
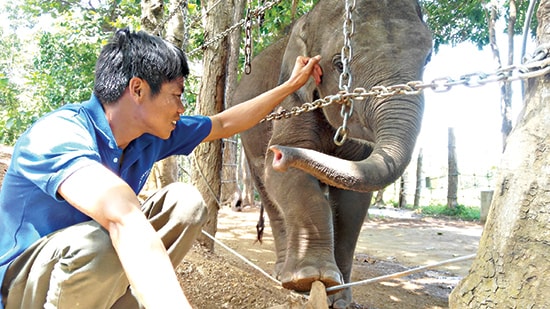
(278, 269)
(301, 279)
(340, 300)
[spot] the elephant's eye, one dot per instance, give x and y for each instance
(337, 63)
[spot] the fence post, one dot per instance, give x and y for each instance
(486, 198)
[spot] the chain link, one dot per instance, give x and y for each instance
(346, 77)
(255, 13)
(248, 41)
(161, 25)
(538, 66)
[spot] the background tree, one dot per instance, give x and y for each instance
(513, 260)
(55, 64)
(418, 185)
(230, 190)
(208, 156)
(9, 52)
(452, 174)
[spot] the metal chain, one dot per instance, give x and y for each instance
(255, 13)
(248, 40)
(345, 76)
(161, 25)
(539, 65)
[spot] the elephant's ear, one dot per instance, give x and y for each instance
(297, 46)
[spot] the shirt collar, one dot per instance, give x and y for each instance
(95, 109)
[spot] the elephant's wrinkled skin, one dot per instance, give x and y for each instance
(317, 205)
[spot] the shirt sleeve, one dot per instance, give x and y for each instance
(54, 148)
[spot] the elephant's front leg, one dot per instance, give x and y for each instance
(350, 209)
(308, 221)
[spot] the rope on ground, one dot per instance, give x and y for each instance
(241, 257)
(403, 273)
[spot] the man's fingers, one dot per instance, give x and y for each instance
(317, 71)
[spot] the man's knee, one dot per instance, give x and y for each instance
(89, 246)
(191, 207)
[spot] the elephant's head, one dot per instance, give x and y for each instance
(390, 45)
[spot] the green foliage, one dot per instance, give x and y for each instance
(277, 21)
(63, 71)
(453, 22)
(54, 65)
(9, 116)
(460, 211)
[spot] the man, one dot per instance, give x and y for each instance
(73, 233)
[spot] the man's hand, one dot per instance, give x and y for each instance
(304, 68)
(244, 116)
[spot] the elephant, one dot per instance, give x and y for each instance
(315, 192)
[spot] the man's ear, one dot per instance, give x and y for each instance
(135, 86)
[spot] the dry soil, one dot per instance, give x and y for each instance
(391, 241)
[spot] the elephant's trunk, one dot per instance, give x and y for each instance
(397, 130)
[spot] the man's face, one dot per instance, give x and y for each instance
(162, 111)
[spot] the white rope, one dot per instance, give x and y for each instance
(241, 257)
(401, 274)
(351, 284)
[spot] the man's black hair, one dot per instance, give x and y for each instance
(136, 54)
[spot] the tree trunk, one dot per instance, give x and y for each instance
(164, 172)
(151, 14)
(505, 89)
(208, 156)
(230, 192)
(175, 26)
(452, 188)
(247, 194)
(379, 199)
(506, 109)
(418, 189)
(513, 260)
(402, 191)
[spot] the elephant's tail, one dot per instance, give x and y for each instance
(260, 225)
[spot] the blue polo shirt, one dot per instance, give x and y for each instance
(57, 145)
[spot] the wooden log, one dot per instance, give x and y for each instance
(317, 296)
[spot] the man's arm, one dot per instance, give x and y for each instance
(245, 115)
(107, 199)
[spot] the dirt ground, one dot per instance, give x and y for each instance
(391, 241)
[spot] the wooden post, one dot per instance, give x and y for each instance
(418, 190)
(486, 198)
(452, 188)
(317, 296)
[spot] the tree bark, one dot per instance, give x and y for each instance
(211, 100)
(379, 199)
(175, 26)
(506, 87)
(452, 184)
(247, 194)
(402, 192)
(152, 12)
(418, 189)
(230, 192)
(513, 261)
